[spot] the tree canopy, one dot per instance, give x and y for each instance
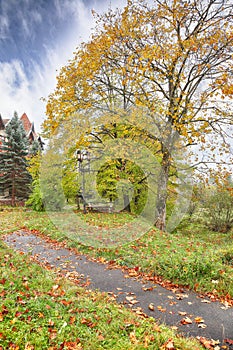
(163, 66)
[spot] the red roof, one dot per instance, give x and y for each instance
(26, 122)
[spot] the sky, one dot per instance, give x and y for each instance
(37, 38)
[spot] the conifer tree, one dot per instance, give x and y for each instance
(14, 177)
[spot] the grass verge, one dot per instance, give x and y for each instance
(192, 256)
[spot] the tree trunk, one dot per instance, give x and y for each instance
(126, 202)
(13, 191)
(160, 217)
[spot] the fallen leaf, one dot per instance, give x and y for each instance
(71, 345)
(229, 341)
(208, 344)
(182, 313)
(199, 320)
(147, 289)
(205, 301)
(160, 308)
(72, 319)
(215, 281)
(186, 320)
(169, 345)
(132, 300)
(181, 296)
(129, 298)
(202, 325)
(133, 338)
(51, 323)
(55, 287)
(157, 329)
(151, 307)
(101, 337)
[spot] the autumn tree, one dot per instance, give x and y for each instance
(173, 60)
(35, 200)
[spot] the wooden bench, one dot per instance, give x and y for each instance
(105, 208)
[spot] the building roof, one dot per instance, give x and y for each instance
(26, 123)
(3, 122)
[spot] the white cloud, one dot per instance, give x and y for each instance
(23, 95)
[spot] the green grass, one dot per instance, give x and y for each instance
(191, 256)
(39, 310)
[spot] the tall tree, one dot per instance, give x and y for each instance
(14, 178)
(174, 59)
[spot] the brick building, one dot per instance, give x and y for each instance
(28, 127)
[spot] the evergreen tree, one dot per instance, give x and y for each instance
(34, 148)
(14, 177)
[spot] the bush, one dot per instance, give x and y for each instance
(219, 207)
(35, 200)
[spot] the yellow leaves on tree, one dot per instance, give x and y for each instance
(172, 59)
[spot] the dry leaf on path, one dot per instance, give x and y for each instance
(151, 307)
(186, 320)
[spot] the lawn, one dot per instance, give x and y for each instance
(39, 310)
(192, 256)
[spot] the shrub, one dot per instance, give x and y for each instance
(35, 200)
(219, 207)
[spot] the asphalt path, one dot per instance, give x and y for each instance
(191, 314)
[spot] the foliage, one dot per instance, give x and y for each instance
(51, 173)
(70, 182)
(111, 185)
(171, 59)
(35, 199)
(219, 208)
(15, 178)
(34, 148)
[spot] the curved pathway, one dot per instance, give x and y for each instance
(186, 311)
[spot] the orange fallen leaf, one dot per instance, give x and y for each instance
(169, 345)
(72, 319)
(208, 344)
(157, 329)
(101, 337)
(199, 320)
(133, 338)
(160, 308)
(186, 320)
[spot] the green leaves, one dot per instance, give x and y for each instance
(14, 178)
